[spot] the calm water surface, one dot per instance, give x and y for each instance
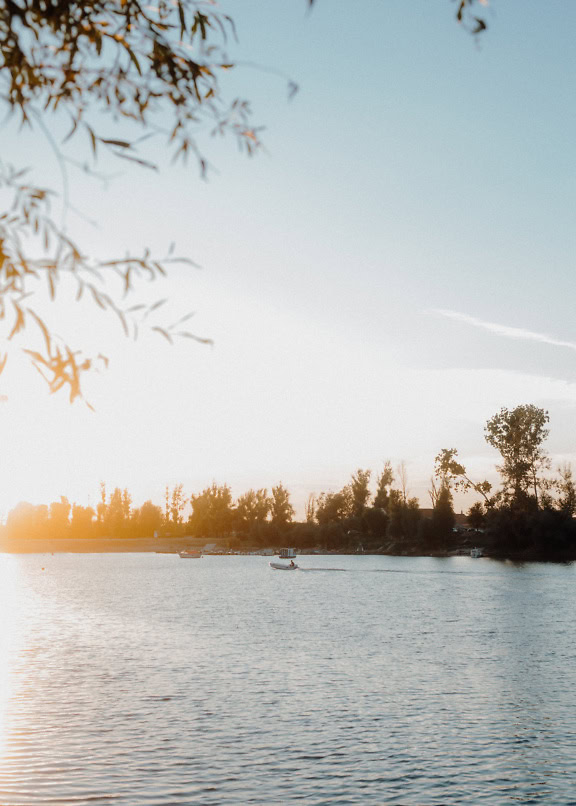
(149, 680)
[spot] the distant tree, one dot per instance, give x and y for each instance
(310, 508)
(452, 473)
(59, 518)
(334, 507)
(174, 504)
(281, 510)
(126, 506)
(304, 535)
(252, 509)
(376, 521)
(212, 512)
(476, 515)
(360, 489)
(27, 520)
(383, 484)
(402, 476)
(82, 521)
(404, 516)
(102, 510)
(115, 516)
(434, 491)
(147, 519)
(566, 490)
(518, 435)
(443, 516)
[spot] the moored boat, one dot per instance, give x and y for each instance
(189, 554)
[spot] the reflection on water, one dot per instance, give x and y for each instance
(142, 679)
(9, 589)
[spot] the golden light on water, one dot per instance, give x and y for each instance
(9, 574)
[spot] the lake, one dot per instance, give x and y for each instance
(148, 680)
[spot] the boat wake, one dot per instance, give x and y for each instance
(324, 569)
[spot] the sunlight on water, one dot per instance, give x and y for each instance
(8, 638)
(143, 680)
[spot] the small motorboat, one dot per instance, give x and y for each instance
(189, 554)
(285, 554)
(476, 553)
(283, 566)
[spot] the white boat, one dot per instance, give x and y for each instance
(475, 553)
(283, 566)
(189, 554)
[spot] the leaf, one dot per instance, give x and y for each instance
(134, 60)
(72, 130)
(93, 139)
(43, 328)
(163, 333)
(118, 143)
(144, 163)
(97, 297)
(182, 19)
(186, 335)
(19, 323)
(37, 358)
(184, 319)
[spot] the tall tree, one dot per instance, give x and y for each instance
(102, 509)
(176, 505)
(310, 508)
(27, 520)
(443, 516)
(126, 505)
(383, 484)
(404, 516)
(360, 488)
(518, 435)
(452, 473)
(402, 476)
(252, 509)
(334, 507)
(59, 517)
(476, 515)
(566, 490)
(147, 519)
(281, 510)
(212, 511)
(82, 521)
(116, 518)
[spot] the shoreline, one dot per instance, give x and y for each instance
(173, 545)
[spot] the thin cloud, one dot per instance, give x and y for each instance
(518, 333)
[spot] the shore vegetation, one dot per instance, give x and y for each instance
(531, 516)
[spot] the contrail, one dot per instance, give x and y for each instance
(508, 332)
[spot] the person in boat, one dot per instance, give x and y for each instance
(292, 563)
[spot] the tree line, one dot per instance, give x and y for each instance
(531, 514)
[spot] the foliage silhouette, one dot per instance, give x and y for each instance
(158, 68)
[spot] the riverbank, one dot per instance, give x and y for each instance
(103, 545)
(173, 545)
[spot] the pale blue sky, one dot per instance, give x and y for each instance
(416, 171)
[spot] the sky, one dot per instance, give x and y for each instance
(395, 267)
